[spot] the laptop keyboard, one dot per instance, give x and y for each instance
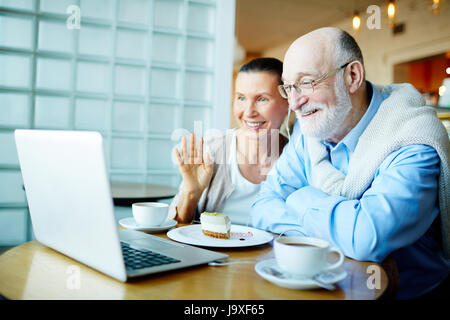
(138, 259)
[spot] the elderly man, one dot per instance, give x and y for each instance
(366, 168)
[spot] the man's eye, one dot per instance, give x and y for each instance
(262, 99)
(241, 98)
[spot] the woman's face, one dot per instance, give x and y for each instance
(257, 103)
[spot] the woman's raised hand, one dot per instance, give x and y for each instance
(196, 169)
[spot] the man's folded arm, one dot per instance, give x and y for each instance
(396, 210)
(269, 211)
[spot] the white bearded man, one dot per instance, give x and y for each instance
(366, 167)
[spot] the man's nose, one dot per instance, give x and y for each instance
(296, 100)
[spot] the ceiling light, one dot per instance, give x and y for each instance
(391, 9)
(356, 21)
(435, 6)
(447, 70)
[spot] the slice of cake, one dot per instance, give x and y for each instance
(216, 225)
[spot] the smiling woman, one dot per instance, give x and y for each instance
(227, 177)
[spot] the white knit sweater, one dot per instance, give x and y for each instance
(402, 119)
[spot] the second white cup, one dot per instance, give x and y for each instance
(150, 214)
(304, 256)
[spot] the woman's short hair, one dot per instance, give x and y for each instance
(264, 65)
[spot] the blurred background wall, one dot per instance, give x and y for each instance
(134, 70)
(412, 47)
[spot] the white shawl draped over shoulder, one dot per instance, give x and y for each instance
(402, 119)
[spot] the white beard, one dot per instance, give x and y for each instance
(325, 123)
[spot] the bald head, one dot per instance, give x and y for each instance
(323, 38)
(314, 49)
(322, 50)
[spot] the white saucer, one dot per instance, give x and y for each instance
(240, 236)
(130, 223)
(331, 277)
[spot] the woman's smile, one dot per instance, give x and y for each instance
(254, 125)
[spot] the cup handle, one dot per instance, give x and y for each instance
(338, 263)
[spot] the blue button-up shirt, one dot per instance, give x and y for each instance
(397, 215)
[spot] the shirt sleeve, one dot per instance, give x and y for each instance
(269, 211)
(394, 212)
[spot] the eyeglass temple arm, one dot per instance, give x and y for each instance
(331, 73)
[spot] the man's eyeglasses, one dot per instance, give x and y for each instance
(307, 85)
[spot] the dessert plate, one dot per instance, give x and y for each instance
(297, 283)
(240, 236)
(130, 223)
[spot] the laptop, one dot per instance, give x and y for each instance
(71, 208)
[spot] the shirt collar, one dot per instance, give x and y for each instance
(351, 139)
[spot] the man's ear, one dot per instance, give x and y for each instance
(354, 76)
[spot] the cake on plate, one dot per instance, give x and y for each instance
(216, 225)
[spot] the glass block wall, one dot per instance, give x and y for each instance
(135, 71)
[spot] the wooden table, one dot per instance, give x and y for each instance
(33, 271)
(126, 193)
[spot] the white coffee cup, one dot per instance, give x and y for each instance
(304, 256)
(150, 214)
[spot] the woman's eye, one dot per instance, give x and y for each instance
(262, 99)
(241, 98)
